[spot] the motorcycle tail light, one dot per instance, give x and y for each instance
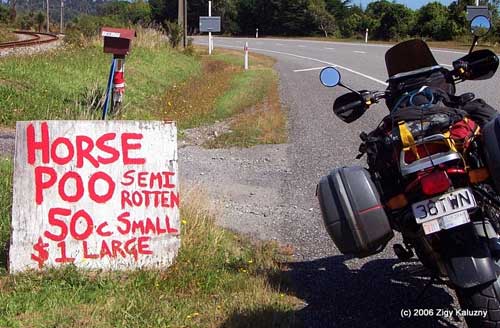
(435, 183)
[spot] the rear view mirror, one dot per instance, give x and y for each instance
(479, 65)
(480, 26)
(349, 107)
(329, 77)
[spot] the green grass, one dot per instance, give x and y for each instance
(219, 279)
(60, 85)
(247, 89)
(5, 209)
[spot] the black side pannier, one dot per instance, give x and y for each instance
(491, 136)
(352, 212)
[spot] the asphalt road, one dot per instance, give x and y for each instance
(339, 291)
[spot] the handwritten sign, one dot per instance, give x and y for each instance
(97, 194)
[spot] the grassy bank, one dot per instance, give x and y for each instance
(163, 84)
(225, 90)
(6, 35)
(219, 279)
(70, 84)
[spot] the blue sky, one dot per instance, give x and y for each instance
(410, 3)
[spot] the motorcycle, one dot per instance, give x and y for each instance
(433, 175)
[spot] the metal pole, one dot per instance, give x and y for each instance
(246, 56)
(477, 2)
(210, 33)
(62, 15)
(180, 17)
(185, 23)
(48, 24)
(366, 36)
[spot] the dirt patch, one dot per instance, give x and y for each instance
(203, 134)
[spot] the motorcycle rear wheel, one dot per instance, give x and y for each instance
(484, 298)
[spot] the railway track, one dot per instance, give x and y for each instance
(35, 38)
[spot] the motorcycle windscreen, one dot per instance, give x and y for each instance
(408, 56)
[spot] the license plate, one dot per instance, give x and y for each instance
(446, 204)
(446, 222)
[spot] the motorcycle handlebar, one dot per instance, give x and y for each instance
(349, 107)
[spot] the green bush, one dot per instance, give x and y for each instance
(174, 32)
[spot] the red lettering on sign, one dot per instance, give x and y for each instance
(137, 226)
(78, 186)
(169, 228)
(159, 229)
(86, 254)
(100, 230)
(105, 250)
(131, 249)
(42, 254)
(145, 198)
(64, 258)
(142, 247)
(116, 247)
(101, 144)
(141, 177)
(125, 199)
(122, 218)
(128, 175)
(33, 145)
(92, 190)
(41, 184)
(69, 149)
(126, 147)
(166, 183)
(174, 199)
(88, 222)
(83, 152)
(55, 222)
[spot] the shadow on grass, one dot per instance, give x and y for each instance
(336, 296)
(263, 317)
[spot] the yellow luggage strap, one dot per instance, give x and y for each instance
(449, 141)
(407, 139)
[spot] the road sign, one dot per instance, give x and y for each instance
(473, 11)
(209, 23)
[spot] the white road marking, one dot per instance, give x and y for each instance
(364, 45)
(279, 44)
(359, 52)
(330, 48)
(308, 69)
(316, 60)
(301, 46)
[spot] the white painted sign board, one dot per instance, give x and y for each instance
(97, 194)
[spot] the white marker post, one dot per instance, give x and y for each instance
(246, 56)
(210, 46)
(256, 33)
(366, 36)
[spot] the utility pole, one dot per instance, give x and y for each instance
(62, 15)
(182, 20)
(185, 23)
(47, 18)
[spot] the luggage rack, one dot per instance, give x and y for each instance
(428, 161)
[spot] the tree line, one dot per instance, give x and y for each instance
(385, 20)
